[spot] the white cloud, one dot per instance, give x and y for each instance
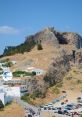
(8, 30)
(68, 27)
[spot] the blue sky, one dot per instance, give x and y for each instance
(19, 18)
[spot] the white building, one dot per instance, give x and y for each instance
(7, 94)
(13, 62)
(2, 96)
(37, 70)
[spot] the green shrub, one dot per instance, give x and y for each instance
(59, 84)
(79, 81)
(8, 64)
(38, 94)
(56, 90)
(33, 96)
(33, 73)
(4, 60)
(68, 77)
(81, 115)
(21, 73)
(24, 47)
(26, 98)
(39, 46)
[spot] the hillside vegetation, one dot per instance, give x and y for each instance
(24, 47)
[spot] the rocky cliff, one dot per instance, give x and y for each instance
(48, 36)
(57, 70)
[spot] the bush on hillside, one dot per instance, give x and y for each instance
(8, 64)
(39, 47)
(24, 47)
(26, 98)
(33, 73)
(38, 94)
(21, 73)
(56, 90)
(4, 60)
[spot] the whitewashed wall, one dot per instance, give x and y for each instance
(2, 98)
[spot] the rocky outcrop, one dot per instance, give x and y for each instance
(57, 70)
(48, 36)
(55, 38)
(69, 38)
(35, 88)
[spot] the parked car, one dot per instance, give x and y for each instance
(49, 108)
(68, 108)
(31, 111)
(60, 112)
(55, 110)
(29, 115)
(45, 108)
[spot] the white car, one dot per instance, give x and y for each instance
(36, 115)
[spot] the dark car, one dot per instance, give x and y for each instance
(31, 111)
(68, 108)
(29, 115)
(60, 112)
(65, 111)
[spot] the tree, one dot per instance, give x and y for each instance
(39, 45)
(33, 73)
(24, 47)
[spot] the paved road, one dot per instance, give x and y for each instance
(28, 107)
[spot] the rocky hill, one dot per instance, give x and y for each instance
(48, 36)
(54, 57)
(57, 70)
(69, 38)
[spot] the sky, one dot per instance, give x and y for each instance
(21, 18)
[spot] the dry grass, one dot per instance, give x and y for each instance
(70, 86)
(35, 58)
(12, 110)
(42, 59)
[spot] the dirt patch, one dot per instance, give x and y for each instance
(12, 110)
